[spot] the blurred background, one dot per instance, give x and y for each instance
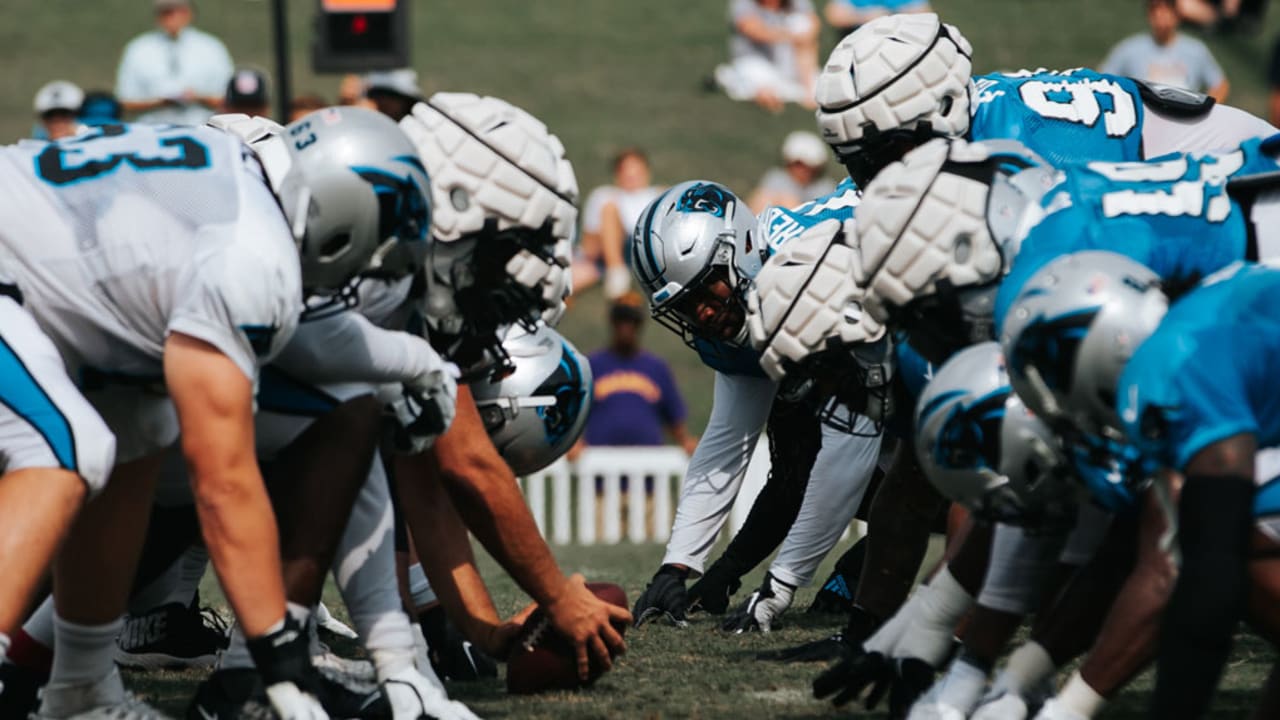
(606, 75)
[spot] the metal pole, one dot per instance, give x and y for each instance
(284, 84)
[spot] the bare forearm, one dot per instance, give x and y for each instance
(446, 555)
(488, 500)
(239, 530)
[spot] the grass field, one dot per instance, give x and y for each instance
(700, 672)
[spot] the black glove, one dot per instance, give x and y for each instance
(829, 648)
(763, 608)
(284, 657)
(451, 655)
(664, 596)
(912, 678)
(850, 677)
(714, 590)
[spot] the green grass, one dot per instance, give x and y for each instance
(699, 671)
(602, 73)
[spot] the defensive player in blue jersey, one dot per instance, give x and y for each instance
(694, 251)
(1093, 343)
(902, 80)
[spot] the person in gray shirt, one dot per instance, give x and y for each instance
(1166, 56)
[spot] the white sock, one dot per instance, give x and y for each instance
(1079, 698)
(962, 686)
(191, 569)
(1028, 667)
(4, 646)
(419, 587)
(83, 653)
(942, 603)
(39, 626)
(389, 642)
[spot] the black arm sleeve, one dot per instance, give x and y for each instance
(1215, 515)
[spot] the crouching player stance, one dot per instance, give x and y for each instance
(695, 251)
(1094, 346)
(166, 271)
(55, 450)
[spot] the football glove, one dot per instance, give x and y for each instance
(283, 660)
(903, 680)
(413, 696)
(664, 596)
(423, 409)
(714, 590)
(762, 608)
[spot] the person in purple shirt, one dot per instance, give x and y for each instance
(636, 398)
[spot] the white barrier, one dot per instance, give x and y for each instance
(575, 504)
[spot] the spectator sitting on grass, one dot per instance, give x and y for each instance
(773, 53)
(608, 216)
(799, 180)
(636, 401)
(845, 16)
(1166, 56)
(57, 105)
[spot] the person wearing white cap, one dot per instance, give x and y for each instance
(174, 74)
(56, 106)
(800, 179)
(393, 92)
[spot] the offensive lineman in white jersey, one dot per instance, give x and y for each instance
(158, 259)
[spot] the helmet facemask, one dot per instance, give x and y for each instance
(713, 306)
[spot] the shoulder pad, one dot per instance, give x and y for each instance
(1175, 101)
(248, 129)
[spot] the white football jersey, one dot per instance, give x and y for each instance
(118, 237)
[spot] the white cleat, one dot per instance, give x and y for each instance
(931, 710)
(104, 699)
(413, 697)
(326, 621)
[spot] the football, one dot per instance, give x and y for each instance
(543, 658)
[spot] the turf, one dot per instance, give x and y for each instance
(699, 671)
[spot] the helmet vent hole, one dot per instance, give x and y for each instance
(963, 247)
(947, 103)
(459, 199)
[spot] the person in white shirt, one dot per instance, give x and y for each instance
(174, 74)
(1166, 56)
(608, 216)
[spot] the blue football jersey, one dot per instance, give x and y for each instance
(777, 225)
(1171, 214)
(1206, 373)
(1064, 116)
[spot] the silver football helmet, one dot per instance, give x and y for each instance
(535, 414)
(1071, 330)
(805, 316)
(893, 84)
(982, 448)
(355, 194)
(938, 230)
(504, 217)
(694, 251)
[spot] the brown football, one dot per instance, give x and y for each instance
(543, 658)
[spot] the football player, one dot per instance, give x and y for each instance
(694, 251)
(1172, 382)
(165, 269)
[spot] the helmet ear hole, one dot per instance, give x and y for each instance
(459, 199)
(335, 246)
(947, 104)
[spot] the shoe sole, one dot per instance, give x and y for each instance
(162, 661)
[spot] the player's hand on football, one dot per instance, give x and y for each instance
(587, 621)
(664, 597)
(762, 608)
(501, 639)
